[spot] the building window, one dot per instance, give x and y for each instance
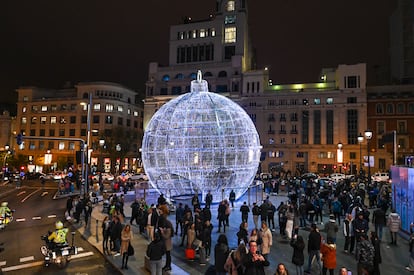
(128, 122)
(108, 120)
(317, 101)
(24, 120)
(329, 127)
(35, 108)
(390, 108)
(53, 107)
(120, 121)
(352, 82)
(109, 108)
(33, 120)
(51, 145)
(83, 132)
(300, 154)
(43, 120)
(44, 108)
(32, 145)
(400, 108)
(73, 107)
(97, 107)
(212, 32)
(231, 6)
(62, 120)
(32, 132)
(317, 127)
(61, 132)
(329, 100)
(351, 100)
(71, 146)
(352, 126)
(61, 145)
(95, 119)
(230, 35)
(72, 119)
(402, 127)
(72, 132)
(352, 155)
(202, 33)
(63, 107)
(230, 19)
(84, 119)
(53, 120)
(41, 145)
(24, 109)
(379, 108)
(135, 113)
(411, 108)
(380, 127)
(52, 132)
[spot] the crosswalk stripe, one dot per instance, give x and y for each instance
(2, 263)
(22, 266)
(20, 220)
(36, 218)
(51, 216)
(81, 255)
(26, 259)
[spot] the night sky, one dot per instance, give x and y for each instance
(47, 43)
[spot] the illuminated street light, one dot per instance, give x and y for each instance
(368, 136)
(85, 165)
(360, 140)
(340, 156)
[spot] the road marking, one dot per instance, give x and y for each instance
(28, 196)
(80, 249)
(22, 266)
(2, 263)
(26, 259)
(36, 218)
(44, 193)
(51, 216)
(21, 220)
(21, 193)
(81, 255)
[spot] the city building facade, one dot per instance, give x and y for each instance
(55, 123)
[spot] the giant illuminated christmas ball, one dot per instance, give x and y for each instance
(200, 142)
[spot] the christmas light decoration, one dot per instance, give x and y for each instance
(200, 142)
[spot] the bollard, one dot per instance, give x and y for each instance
(97, 230)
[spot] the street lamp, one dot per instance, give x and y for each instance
(340, 156)
(360, 140)
(102, 145)
(368, 136)
(6, 150)
(88, 142)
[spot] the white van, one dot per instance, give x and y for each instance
(380, 177)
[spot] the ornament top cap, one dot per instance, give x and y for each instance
(199, 85)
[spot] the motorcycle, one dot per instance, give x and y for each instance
(5, 219)
(58, 254)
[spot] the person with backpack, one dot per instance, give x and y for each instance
(234, 263)
(365, 255)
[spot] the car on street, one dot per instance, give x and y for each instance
(337, 176)
(380, 177)
(105, 177)
(140, 176)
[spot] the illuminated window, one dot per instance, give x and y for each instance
(61, 145)
(202, 33)
(53, 107)
(230, 35)
(34, 119)
(43, 120)
(71, 146)
(109, 108)
(129, 111)
(194, 34)
(97, 107)
(229, 19)
(135, 113)
(329, 100)
(120, 108)
(212, 32)
(44, 108)
(317, 101)
(24, 110)
(24, 120)
(230, 5)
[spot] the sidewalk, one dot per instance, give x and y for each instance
(93, 234)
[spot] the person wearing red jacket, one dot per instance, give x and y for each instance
(328, 251)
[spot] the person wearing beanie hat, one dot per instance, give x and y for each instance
(331, 228)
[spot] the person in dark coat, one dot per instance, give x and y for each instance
(221, 252)
(243, 234)
(379, 220)
(116, 230)
(298, 258)
(377, 256)
(314, 247)
(254, 262)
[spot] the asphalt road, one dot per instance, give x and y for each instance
(35, 213)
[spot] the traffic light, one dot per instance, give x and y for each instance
(334, 167)
(19, 139)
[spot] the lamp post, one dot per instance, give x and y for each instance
(88, 142)
(339, 156)
(360, 140)
(118, 164)
(6, 150)
(102, 145)
(368, 136)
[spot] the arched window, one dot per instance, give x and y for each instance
(208, 74)
(222, 74)
(193, 76)
(179, 76)
(166, 78)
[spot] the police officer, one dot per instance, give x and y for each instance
(4, 209)
(59, 235)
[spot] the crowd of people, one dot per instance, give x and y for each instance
(305, 210)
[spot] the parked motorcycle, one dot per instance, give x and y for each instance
(58, 254)
(5, 219)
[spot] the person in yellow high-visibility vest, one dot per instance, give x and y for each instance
(59, 235)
